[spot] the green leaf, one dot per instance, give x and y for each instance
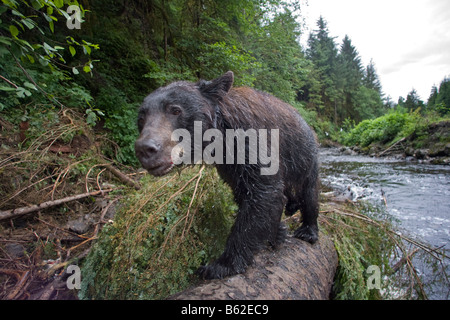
(31, 58)
(59, 3)
(52, 26)
(86, 49)
(2, 88)
(36, 4)
(75, 70)
(22, 92)
(17, 13)
(29, 23)
(72, 50)
(29, 85)
(48, 47)
(87, 69)
(14, 31)
(5, 40)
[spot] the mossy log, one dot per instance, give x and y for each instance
(296, 270)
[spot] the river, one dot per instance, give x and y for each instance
(417, 195)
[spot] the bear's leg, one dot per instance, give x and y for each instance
(309, 207)
(257, 223)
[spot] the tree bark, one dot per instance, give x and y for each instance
(296, 270)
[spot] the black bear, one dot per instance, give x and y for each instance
(290, 181)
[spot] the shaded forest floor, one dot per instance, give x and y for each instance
(64, 165)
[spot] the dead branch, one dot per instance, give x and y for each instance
(14, 213)
(123, 177)
(391, 147)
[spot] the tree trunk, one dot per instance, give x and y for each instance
(295, 271)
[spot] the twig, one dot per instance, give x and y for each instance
(102, 216)
(27, 187)
(398, 142)
(192, 201)
(403, 261)
(89, 171)
(18, 286)
(11, 83)
(414, 242)
(124, 178)
(8, 214)
(64, 173)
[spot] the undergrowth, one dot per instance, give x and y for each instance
(162, 234)
(390, 127)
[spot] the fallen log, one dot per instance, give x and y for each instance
(295, 271)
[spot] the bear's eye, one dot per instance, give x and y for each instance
(176, 111)
(140, 123)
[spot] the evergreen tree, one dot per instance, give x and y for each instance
(370, 79)
(432, 99)
(413, 101)
(349, 73)
(322, 52)
(442, 104)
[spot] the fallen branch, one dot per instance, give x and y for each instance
(123, 177)
(295, 271)
(391, 147)
(9, 214)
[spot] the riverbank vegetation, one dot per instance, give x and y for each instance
(403, 134)
(70, 85)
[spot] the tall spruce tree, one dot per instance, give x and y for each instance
(322, 52)
(371, 79)
(413, 101)
(350, 74)
(443, 98)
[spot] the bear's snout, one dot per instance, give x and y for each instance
(149, 152)
(147, 148)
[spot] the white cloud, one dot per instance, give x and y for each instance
(409, 40)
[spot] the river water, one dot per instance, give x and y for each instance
(415, 194)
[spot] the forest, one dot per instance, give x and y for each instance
(120, 52)
(73, 74)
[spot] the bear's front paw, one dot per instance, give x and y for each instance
(215, 270)
(223, 267)
(307, 233)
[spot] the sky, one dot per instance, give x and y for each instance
(408, 40)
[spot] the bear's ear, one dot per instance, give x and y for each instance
(217, 88)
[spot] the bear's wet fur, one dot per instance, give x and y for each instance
(261, 198)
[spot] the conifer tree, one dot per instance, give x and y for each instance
(371, 79)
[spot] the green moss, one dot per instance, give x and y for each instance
(162, 234)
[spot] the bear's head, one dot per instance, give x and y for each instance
(176, 106)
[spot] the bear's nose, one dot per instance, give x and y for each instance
(147, 148)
